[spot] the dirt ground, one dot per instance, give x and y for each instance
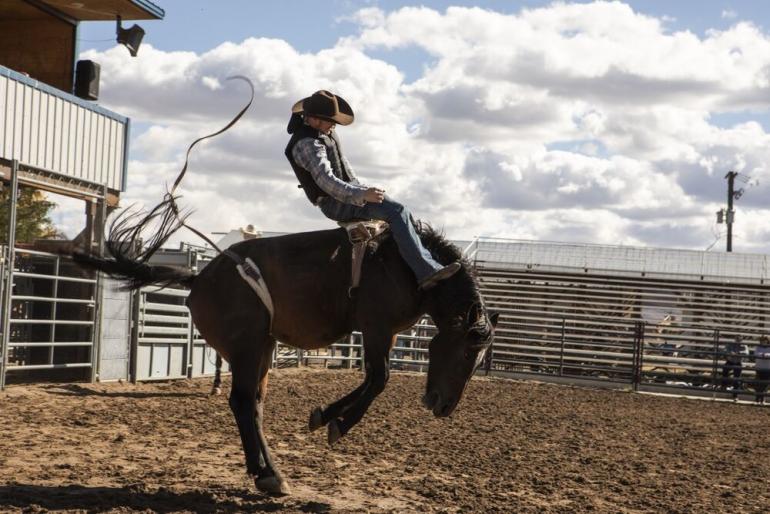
(510, 447)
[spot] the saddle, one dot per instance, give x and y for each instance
(360, 234)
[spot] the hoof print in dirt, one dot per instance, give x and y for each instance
(316, 419)
(334, 432)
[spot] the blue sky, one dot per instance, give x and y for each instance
(604, 122)
(199, 25)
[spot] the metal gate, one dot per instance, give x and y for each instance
(50, 316)
(166, 344)
(409, 353)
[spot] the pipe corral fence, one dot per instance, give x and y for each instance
(639, 325)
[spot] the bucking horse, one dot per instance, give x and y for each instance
(308, 278)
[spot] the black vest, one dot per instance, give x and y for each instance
(333, 152)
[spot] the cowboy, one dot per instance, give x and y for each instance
(330, 183)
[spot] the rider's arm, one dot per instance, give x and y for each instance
(311, 155)
(351, 171)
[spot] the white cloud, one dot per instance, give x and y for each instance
(582, 122)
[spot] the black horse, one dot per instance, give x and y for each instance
(308, 277)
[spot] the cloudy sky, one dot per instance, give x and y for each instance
(600, 122)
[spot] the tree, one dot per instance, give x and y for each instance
(33, 216)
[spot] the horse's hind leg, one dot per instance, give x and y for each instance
(216, 387)
(270, 482)
(249, 368)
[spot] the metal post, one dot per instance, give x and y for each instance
(730, 215)
(3, 286)
(53, 308)
(362, 364)
(561, 352)
(101, 214)
(191, 348)
(714, 358)
(636, 374)
(8, 275)
(191, 333)
(133, 351)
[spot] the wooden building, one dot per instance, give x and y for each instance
(54, 136)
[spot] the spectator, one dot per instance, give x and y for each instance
(734, 354)
(762, 367)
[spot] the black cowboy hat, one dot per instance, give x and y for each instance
(327, 106)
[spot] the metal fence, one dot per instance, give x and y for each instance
(50, 315)
(410, 352)
(553, 325)
(647, 333)
(166, 343)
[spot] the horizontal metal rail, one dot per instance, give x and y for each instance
(60, 278)
(489, 272)
(49, 344)
(50, 366)
(165, 307)
(162, 340)
(50, 322)
(82, 301)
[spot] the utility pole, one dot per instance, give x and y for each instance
(730, 214)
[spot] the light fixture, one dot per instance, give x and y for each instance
(131, 38)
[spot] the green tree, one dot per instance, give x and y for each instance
(33, 216)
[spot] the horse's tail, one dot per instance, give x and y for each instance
(128, 258)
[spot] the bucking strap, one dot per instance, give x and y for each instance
(251, 274)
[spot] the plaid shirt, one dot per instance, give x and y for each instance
(311, 155)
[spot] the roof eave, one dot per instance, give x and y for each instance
(150, 8)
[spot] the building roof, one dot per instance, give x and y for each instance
(662, 263)
(101, 10)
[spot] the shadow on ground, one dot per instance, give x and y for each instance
(77, 390)
(37, 498)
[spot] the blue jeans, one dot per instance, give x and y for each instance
(398, 217)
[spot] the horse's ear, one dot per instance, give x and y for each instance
(493, 317)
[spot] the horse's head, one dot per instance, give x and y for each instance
(455, 353)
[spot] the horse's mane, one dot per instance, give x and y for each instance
(457, 289)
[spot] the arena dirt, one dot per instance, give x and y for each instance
(510, 447)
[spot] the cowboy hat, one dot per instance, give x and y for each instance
(325, 105)
(250, 232)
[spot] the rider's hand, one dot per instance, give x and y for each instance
(374, 195)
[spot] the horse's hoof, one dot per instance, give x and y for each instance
(274, 485)
(316, 419)
(334, 433)
(216, 391)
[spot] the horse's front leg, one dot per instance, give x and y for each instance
(321, 416)
(377, 374)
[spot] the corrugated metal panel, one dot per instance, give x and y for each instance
(115, 332)
(54, 131)
(626, 261)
